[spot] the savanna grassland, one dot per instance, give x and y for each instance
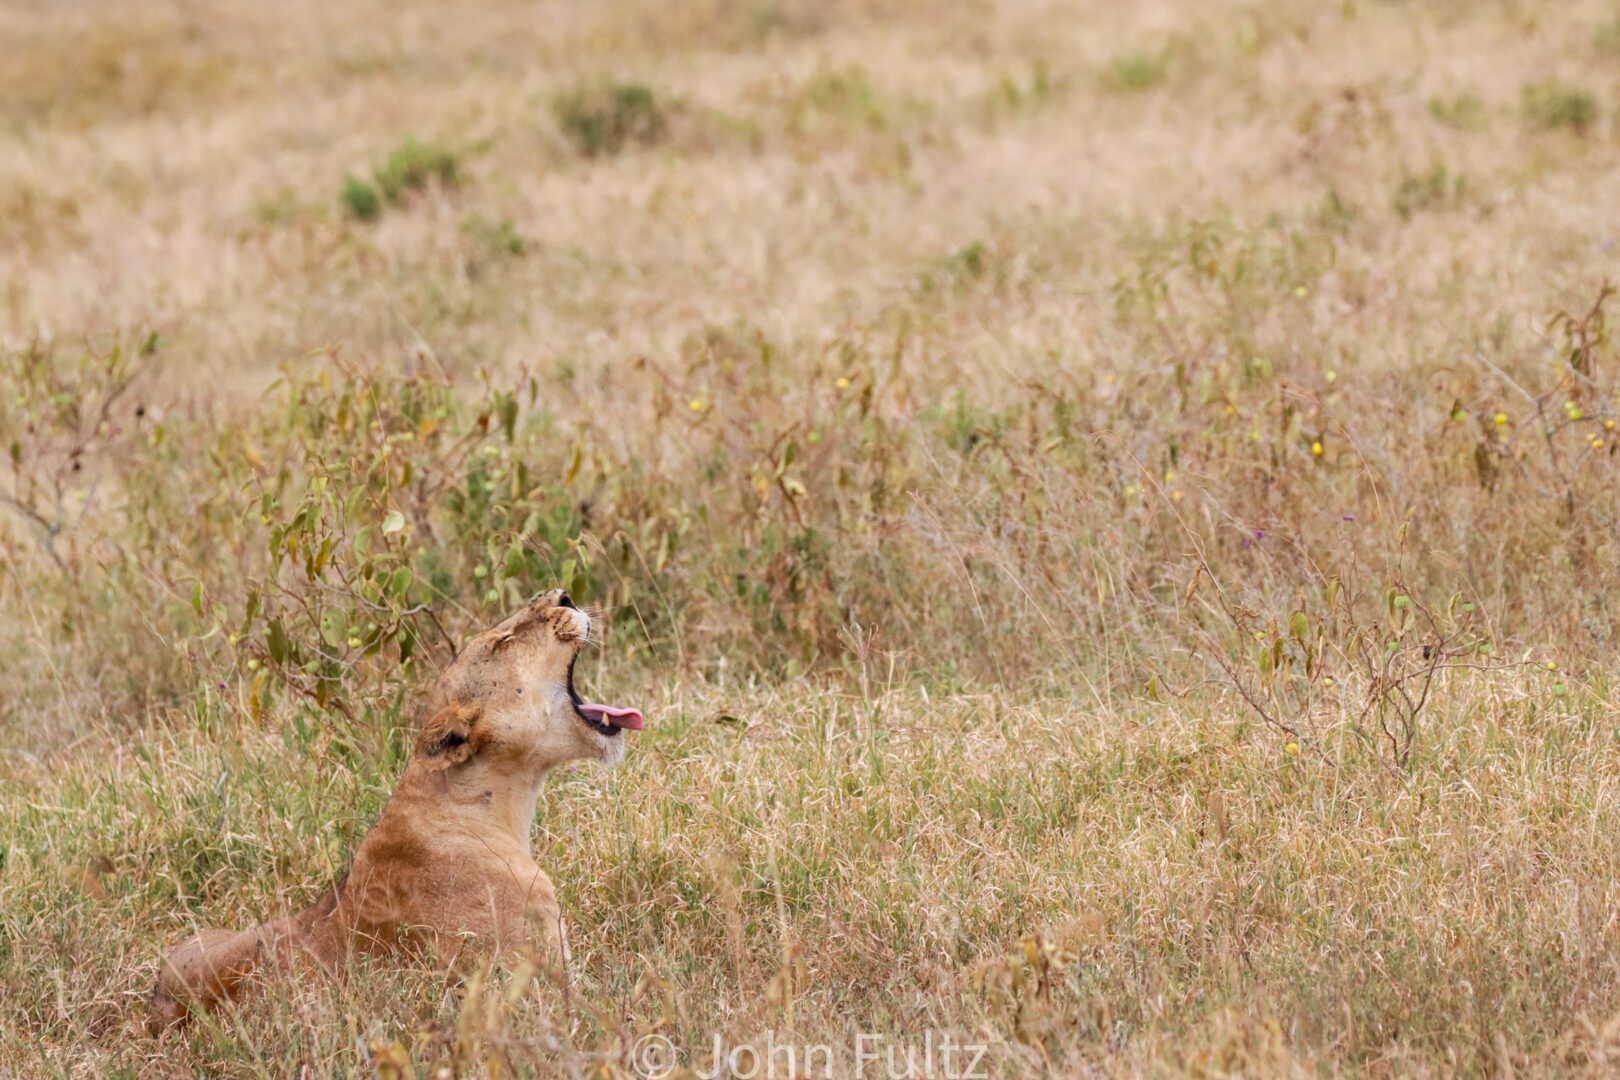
(1110, 511)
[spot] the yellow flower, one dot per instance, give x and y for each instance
(1552, 666)
(842, 383)
(1608, 425)
(1316, 448)
(1332, 375)
(1301, 291)
(1501, 419)
(1177, 496)
(696, 404)
(1292, 748)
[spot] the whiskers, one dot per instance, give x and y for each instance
(593, 636)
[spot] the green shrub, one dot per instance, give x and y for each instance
(412, 166)
(361, 199)
(603, 120)
(1554, 105)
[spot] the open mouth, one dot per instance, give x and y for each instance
(606, 720)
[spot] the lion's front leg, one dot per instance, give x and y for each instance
(541, 918)
(512, 917)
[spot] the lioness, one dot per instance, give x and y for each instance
(450, 854)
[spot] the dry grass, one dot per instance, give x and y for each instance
(1109, 510)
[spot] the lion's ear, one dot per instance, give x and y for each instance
(446, 738)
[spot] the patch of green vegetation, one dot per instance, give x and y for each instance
(361, 199)
(1034, 91)
(843, 95)
(1025, 91)
(1438, 188)
(1138, 71)
(975, 262)
(284, 207)
(604, 119)
(496, 237)
(1462, 112)
(411, 167)
(1552, 105)
(1336, 212)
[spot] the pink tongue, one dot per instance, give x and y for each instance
(629, 719)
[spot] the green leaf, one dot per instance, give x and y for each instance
(514, 560)
(252, 611)
(276, 640)
(1153, 690)
(334, 628)
(393, 523)
(506, 405)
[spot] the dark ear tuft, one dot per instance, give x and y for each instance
(446, 738)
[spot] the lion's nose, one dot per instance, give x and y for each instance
(564, 600)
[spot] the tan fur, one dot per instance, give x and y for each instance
(448, 864)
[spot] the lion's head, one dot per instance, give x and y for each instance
(508, 701)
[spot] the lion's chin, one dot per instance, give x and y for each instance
(612, 750)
